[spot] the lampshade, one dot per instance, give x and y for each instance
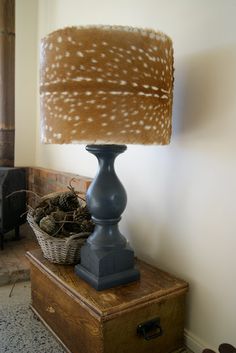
(106, 84)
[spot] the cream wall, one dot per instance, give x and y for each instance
(181, 198)
(25, 81)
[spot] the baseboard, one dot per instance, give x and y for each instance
(195, 344)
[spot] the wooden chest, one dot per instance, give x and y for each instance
(142, 317)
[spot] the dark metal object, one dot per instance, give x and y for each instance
(106, 260)
(150, 329)
(227, 348)
(13, 207)
(223, 348)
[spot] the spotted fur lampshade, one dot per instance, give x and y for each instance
(106, 84)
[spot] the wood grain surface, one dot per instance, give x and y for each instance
(69, 320)
(87, 321)
(7, 21)
(123, 329)
(7, 80)
(153, 286)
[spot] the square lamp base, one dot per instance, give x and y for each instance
(104, 269)
(109, 281)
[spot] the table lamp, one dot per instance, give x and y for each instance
(106, 86)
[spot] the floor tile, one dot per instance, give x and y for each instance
(20, 329)
(14, 266)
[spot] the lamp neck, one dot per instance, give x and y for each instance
(106, 155)
(106, 197)
(106, 149)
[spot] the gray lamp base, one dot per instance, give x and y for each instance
(107, 268)
(107, 260)
(110, 281)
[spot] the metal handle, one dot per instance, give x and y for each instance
(150, 329)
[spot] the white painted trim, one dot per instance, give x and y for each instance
(195, 344)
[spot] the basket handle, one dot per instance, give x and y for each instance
(77, 236)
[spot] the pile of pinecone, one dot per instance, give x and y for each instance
(63, 214)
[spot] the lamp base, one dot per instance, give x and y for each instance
(107, 260)
(104, 268)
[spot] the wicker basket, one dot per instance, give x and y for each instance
(56, 250)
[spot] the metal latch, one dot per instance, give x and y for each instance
(150, 329)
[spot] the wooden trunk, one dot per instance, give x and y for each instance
(87, 321)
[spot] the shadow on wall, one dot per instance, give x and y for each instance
(201, 155)
(204, 93)
(201, 179)
(181, 176)
(181, 203)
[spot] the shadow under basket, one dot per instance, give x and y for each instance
(58, 250)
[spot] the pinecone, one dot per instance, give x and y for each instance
(55, 200)
(72, 227)
(48, 225)
(58, 215)
(87, 226)
(49, 208)
(81, 214)
(68, 201)
(38, 214)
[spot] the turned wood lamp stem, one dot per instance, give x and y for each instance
(106, 198)
(106, 260)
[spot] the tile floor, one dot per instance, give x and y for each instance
(20, 329)
(14, 266)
